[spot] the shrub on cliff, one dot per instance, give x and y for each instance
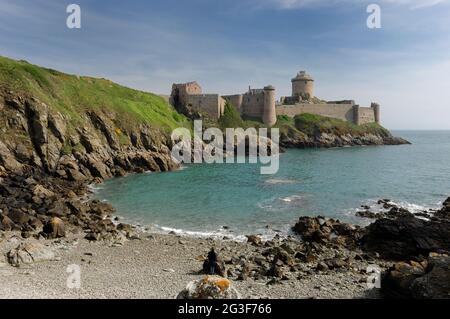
(231, 117)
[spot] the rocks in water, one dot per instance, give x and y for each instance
(295, 139)
(209, 287)
(393, 211)
(28, 253)
(367, 214)
(54, 228)
(407, 237)
(427, 279)
(444, 213)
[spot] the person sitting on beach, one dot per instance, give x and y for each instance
(212, 260)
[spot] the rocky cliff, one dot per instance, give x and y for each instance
(60, 133)
(308, 130)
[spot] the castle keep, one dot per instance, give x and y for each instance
(261, 103)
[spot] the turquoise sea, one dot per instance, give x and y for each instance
(200, 199)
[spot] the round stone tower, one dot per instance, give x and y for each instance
(303, 85)
(269, 112)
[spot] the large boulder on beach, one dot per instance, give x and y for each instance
(310, 230)
(29, 253)
(421, 280)
(326, 230)
(436, 282)
(407, 237)
(210, 287)
(54, 228)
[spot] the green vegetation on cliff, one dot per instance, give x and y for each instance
(312, 125)
(74, 95)
(231, 117)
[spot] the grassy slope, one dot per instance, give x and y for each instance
(73, 95)
(313, 124)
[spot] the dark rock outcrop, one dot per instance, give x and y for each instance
(407, 237)
(429, 278)
(293, 139)
(327, 231)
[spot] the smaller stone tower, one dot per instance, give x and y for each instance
(303, 86)
(269, 113)
(376, 111)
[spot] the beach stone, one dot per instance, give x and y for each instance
(42, 192)
(29, 253)
(19, 217)
(321, 266)
(210, 287)
(6, 223)
(313, 229)
(254, 239)
(55, 228)
(335, 263)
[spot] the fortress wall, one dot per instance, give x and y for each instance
(253, 105)
(366, 115)
(339, 111)
(236, 100)
(211, 104)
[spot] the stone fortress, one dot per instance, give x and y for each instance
(261, 104)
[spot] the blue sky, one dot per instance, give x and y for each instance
(228, 45)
